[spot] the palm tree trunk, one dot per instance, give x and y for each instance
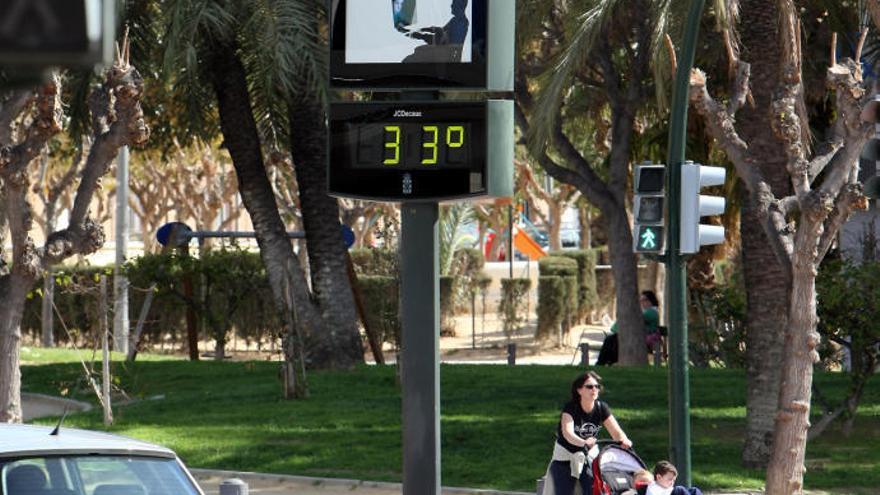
(241, 138)
(767, 290)
(340, 345)
(767, 301)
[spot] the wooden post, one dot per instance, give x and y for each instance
(105, 348)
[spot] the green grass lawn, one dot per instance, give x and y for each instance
(498, 422)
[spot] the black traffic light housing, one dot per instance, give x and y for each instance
(649, 208)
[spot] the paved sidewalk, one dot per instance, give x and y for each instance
(275, 484)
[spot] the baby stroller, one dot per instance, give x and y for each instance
(613, 469)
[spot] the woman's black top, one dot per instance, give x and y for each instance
(586, 424)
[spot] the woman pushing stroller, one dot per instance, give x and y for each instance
(577, 433)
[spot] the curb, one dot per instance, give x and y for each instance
(57, 405)
(199, 474)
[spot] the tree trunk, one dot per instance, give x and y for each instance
(786, 468)
(13, 290)
(767, 301)
(340, 345)
(554, 225)
(630, 325)
(242, 139)
(585, 223)
(333, 342)
(767, 290)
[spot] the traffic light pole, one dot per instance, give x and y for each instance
(676, 276)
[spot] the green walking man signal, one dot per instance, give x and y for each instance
(650, 239)
(649, 213)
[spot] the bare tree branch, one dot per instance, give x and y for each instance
(845, 79)
(47, 123)
(860, 44)
(121, 124)
(740, 91)
(721, 127)
(823, 158)
(10, 108)
(833, 58)
(849, 200)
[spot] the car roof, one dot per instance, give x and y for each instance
(27, 440)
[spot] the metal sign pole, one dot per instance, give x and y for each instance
(420, 347)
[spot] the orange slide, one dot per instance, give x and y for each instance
(527, 246)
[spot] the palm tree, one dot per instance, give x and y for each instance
(260, 66)
(592, 64)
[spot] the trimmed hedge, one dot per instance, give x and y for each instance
(587, 296)
(551, 306)
(76, 300)
(567, 270)
(234, 282)
(382, 305)
(375, 261)
(466, 267)
(447, 305)
(514, 292)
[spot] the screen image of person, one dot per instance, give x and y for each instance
(420, 31)
(402, 14)
(443, 44)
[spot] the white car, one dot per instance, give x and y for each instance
(34, 460)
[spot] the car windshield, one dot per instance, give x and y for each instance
(95, 475)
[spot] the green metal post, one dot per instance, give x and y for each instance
(676, 276)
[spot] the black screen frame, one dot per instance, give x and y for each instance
(393, 76)
(427, 185)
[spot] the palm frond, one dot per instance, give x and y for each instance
(452, 217)
(193, 23)
(589, 28)
(191, 28)
(285, 58)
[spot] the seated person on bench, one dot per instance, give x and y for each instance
(649, 303)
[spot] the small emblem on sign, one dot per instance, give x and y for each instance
(407, 184)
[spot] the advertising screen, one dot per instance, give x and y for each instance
(408, 31)
(391, 44)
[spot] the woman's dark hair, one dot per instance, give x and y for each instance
(579, 382)
(651, 297)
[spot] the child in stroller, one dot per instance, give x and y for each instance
(617, 470)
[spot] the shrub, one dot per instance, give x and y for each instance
(848, 313)
(551, 307)
(717, 324)
(76, 305)
(510, 307)
(447, 305)
(587, 296)
(567, 270)
(381, 305)
(375, 261)
(466, 265)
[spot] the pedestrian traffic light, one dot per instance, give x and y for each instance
(648, 208)
(695, 205)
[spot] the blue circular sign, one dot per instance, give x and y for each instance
(347, 235)
(163, 235)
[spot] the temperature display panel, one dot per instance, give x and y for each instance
(397, 151)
